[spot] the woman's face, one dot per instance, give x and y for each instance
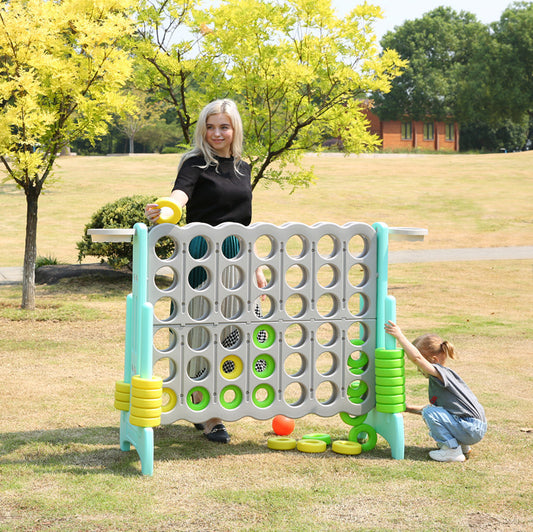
(220, 134)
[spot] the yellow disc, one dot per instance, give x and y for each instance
(145, 421)
(123, 387)
(346, 447)
(168, 203)
(146, 394)
(147, 384)
(281, 443)
(172, 400)
(125, 397)
(145, 412)
(146, 403)
(311, 446)
(121, 405)
(231, 367)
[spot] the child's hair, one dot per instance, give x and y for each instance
(201, 146)
(431, 345)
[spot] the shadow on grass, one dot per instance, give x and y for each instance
(96, 450)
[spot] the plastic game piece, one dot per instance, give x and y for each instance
(167, 203)
(311, 446)
(282, 425)
(346, 447)
(281, 443)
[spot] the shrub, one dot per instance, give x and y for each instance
(122, 213)
(45, 261)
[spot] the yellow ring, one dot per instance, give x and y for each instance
(145, 412)
(146, 403)
(281, 443)
(175, 217)
(123, 387)
(121, 405)
(141, 393)
(237, 369)
(311, 446)
(124, 397)
(145, 421)
(147, 384)
(172, 400)
(346, 447)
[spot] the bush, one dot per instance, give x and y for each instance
(121, 214)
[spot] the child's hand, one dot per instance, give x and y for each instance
(393, 329)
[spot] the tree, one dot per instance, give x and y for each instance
(439, 47)
(61, 70)
(296, 69)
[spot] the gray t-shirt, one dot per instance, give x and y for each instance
(453, 394)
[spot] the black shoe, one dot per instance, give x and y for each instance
(199, 426)
(218, 434)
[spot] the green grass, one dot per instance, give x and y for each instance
(60, 463)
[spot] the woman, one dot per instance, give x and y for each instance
(214, 183)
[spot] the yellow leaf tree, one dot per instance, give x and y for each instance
(61, 71)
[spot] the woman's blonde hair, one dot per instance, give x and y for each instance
(431, 345)
(201, 146)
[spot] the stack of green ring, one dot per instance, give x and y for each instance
(390, 381)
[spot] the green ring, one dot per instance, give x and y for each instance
(354, 421)
(357, 389)
(269, 398)
(390, 372)
(390, 399)
(389, 363)
(203, 403)
(390, 381)
(370, 431)
(390, 409)
(388, 353)
(270, 366)
(271, 336)
(390, 390)
(230, 405)
(318, 436)
(357, 364)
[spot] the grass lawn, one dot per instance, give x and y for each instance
(60, 463)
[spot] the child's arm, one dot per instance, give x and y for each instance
(414, 409)
(413, 354)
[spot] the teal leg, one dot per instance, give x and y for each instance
(141, 438)
(390, 426)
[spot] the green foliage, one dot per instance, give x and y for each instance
(122, 213)
(45, 261)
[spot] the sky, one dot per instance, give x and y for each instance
(396, 12)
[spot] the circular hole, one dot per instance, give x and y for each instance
(198, 368)
(296, 246)
(199, 308)
(263, 366)
(327, 246)
(263, 395)
(357, 331)
(231, 397)
(357, 246)
(294, 394)
(198, 248)
(166, 248)
(264, 306)
(326, 334)
(232, 277)
(327, 276)
(264, 247)
(295, 276)
(295, 306)
(231, 337)
(165, 309)
(357, 362)
(269, 275)
(165, 339)
(325, 393)
(197, 398)
(232, 307)
(199, 278)
(165, 278)
(264, 336)
(326, 363)
(327, 305)
(231, 367)
(231, 247)
(357, 275)
(294, 365)
(165, 368)
(295, 335)
(198, 338)
(357, 304)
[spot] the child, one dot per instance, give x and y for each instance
(455, 417)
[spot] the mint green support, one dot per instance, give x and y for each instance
(389, 426)
(138, 349)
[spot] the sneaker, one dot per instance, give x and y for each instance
(445, 454)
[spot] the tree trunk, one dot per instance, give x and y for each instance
(132, 145)
(30, 249)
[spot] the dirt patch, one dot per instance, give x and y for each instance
(52, 274)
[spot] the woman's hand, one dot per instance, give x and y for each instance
(152, 212)
(260, 278)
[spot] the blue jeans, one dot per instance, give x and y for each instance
(450, 430)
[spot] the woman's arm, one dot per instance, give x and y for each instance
(413, 354)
